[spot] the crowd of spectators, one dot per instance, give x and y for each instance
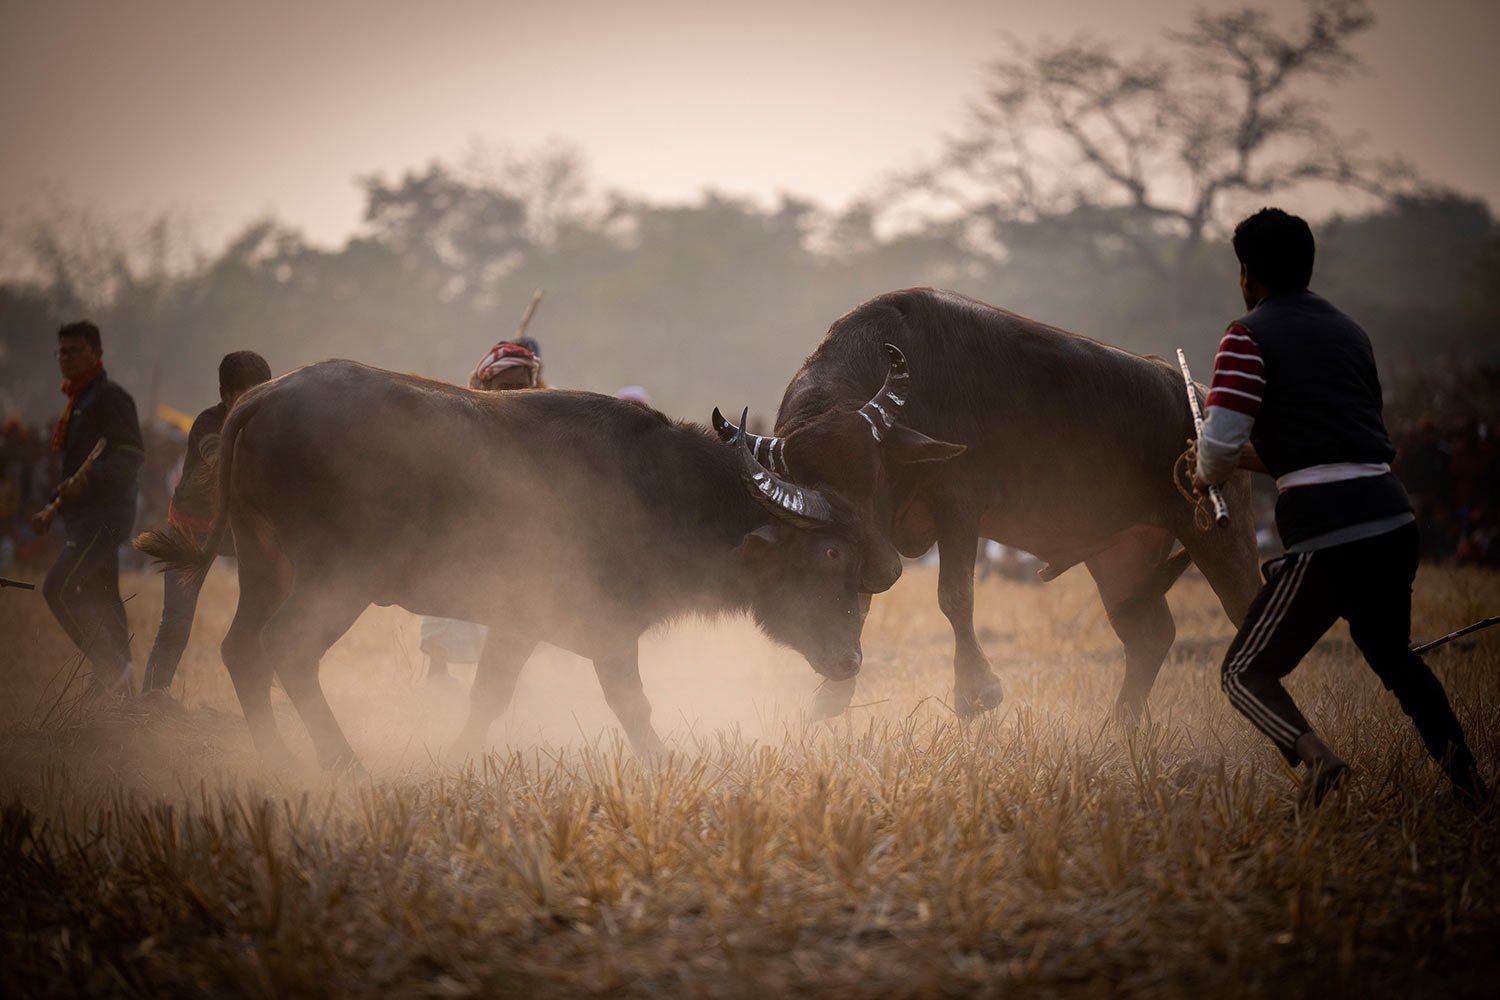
(1454, 482)
(28, 471)
(1443, 418)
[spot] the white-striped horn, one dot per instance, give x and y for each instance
(804, 507)
(883, 411)
(769, 451)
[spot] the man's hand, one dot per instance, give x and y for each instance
(1199, 486)
(73, 487)
(41, 521)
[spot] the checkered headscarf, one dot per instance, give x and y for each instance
(507, 354)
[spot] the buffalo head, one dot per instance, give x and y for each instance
(855, 454)
(802, 570)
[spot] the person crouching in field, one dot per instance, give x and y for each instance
(1295, 393)
(192, 510)
(97, 505)
(508, 365)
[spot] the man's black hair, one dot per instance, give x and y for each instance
(83, 330)
(1276, 248)
(241, 370)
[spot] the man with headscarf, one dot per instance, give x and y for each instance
(509, 365)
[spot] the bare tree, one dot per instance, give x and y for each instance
(1137, 148)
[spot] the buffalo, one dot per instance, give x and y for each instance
(565, 517)
(941, 419)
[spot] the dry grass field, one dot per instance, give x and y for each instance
(893, 852)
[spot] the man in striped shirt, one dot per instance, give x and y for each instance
(1295, 394)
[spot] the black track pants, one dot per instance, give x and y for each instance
(83, 590)
(1368, 583)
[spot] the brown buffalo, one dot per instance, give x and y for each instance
(565, 517)
(1005, 428)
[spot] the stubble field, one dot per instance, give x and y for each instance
(1042, 850)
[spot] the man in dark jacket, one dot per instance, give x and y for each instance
(1295, 393)
(192, 510)
(97, 506)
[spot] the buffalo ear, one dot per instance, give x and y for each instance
(757, 543)
(905, 446)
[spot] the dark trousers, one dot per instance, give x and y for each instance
(1367, 583)
(179, 602)
(83, 590)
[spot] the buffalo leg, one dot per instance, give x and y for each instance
(298, 634)
(1133, 576)
(242, 649)
(833, 696)
(1145, 626)
(976, 689)
(500, 666)
(1227, 556)
(620, 677)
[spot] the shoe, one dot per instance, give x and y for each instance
(1468, 787)
(102, 686)
(1321, 779)
(158, 700)
(1325, 769)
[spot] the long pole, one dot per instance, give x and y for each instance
(1457, 634)
(1215, 497)
(536, 298)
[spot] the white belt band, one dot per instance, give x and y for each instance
(1335, 472)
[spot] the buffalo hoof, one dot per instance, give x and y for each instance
(465, 748)
(341, 763)
(979, 698)
(1128, 713)
(649, 749)
(833, 698)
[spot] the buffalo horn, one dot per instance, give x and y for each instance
(883, 410)
(770, 451)
(806, 508)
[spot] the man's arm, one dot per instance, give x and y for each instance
(203, 438)
(1234, 398)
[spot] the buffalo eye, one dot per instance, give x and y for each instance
(831, 553)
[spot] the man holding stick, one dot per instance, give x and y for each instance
(1295, 393)
(96, 499)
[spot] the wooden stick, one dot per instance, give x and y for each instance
(42, 519)
(536, 297)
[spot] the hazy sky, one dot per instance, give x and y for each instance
(224, 111)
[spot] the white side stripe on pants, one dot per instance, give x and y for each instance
(1276, 608)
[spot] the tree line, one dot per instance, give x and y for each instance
(1092, 189)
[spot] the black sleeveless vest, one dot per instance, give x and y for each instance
(1322, 405)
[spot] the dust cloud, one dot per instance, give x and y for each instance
(706, 679)
(702, 677)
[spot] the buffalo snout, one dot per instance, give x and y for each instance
(843, 667)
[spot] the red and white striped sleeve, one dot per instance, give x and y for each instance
(1239, 380)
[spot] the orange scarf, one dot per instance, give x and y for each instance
(73, 388)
